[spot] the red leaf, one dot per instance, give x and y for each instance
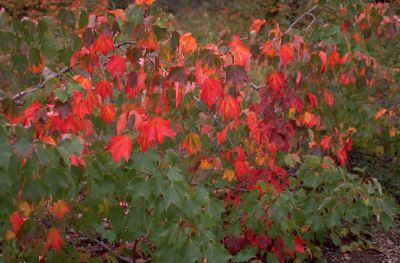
(16, 220)
(241, 53)
(299, 244)
(322, 56)
(211, 89)
(54, 239)
(59, 209)
(229, 107)
(120, 146)
(154, 131)
(144, 2)
(121, 123)
(312, 99)
(311, 120)
(108, 113)
(85, 82)
(103, 44)
(116, 65)
(30, 113)
(326, 142)
(334, 58)
(276, 80)
(329, 97)
(269, 49)
(104, 89)
(286, 53)
(80, 107)
(257, 25)
(187, 43)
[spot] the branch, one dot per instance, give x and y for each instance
(125, 259)
(308, 13)
(41, 85)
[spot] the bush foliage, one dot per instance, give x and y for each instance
(120, 129)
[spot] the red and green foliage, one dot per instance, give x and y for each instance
(154, 143)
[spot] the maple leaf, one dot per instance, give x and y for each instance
(108, 113)
(104, 89)
(192, 143)
(103, 44)
(311, 120)
(120, 13)
(54, 239)
(269, 49)
(299, 244)
(322, 56)
(16, 220)
(85, 82)
(380, 113)
(334, 58)
(276, 80)
(31, 113)
(329, 97)
(229, 107)
(312, 99)
(286, 53)
(153, 131)
(187, 43)
(326, 142)
(116, 65)
(257, 25)
(120, 146)
(59, 209)
(144, 2)
(229, 175)
(79, 106)
(241, 53)
(211, 89)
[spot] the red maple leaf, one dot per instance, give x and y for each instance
(103, 44)
(16, 220)
(116, 65)
(329, 97)
(241, 53)
(54, 239)
(120, 146)
(257, 25)
(286, 53)
(322, 56)
(299, 244)
(80, 107)
(312, 99)
(276, 80)
(192, 143)
(154, 131)
(108, 113)
(104, 89)
(326, 142)
(211, 89)
(30, 113)
(334, 58)
(229, 107)
(59, 209)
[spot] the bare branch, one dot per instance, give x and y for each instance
(308, 13)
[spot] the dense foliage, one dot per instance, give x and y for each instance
(119, 128)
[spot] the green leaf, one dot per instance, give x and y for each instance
(174, 175)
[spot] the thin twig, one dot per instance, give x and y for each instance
(111, 250)
(308, 13)
(40, 86)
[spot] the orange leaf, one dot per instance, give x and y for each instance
(310, 119)
(16, 220)
(257, 25)
(211, 89)
(192, 143)
(241, 53)
(120, 13)
(59, 209)
(116, 65)
(154, 131)
(269, 49)
(229, 107)
(144, 2)
(120, 146)
(108, 113)
(54, 239)
(380, 113)
(85, 82)
(322, 56)
(286, 53)
(187, 43)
